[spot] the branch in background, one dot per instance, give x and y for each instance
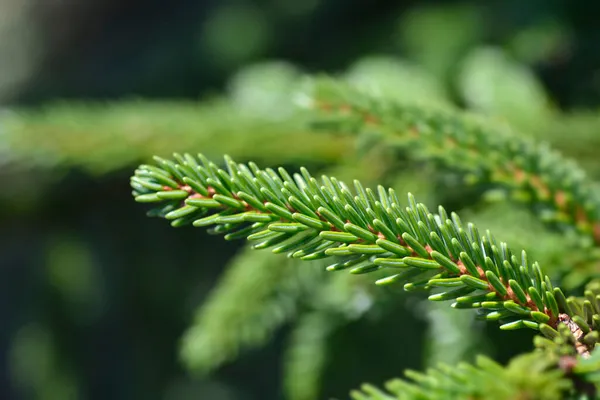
(556, 187)
(306, 356)
(451, 336)
(256, 296)
(343, 298)
(100, 138)
(257, 117)
(495, 84)
(530, 376)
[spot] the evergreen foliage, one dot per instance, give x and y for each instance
(368, 232)
(312, 220)
(270, 290)
(524, 170)
(529, 376)
(556, 187)
(100, 138)
(307, 355)
(487, 153)
(383, 119)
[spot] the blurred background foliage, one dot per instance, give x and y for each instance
(99, 301)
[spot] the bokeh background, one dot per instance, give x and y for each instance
(97, 301)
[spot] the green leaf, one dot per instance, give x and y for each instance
(203, 203)
(393, 247)
(421, 263)
(148, 198)
(360, 232)
(496, 283)
(391, 262)
(415, 245)
(474, 282)
(342, 237)
(181, 212)
(311, 222)
(172, 195)
(366, 249)
(516, 308)
(229, 202)
(453, 294)
(518, 291)
(446, 282)
(551, 303)
(287, 227)
(536, 297)
(445, 262)
(469, 264)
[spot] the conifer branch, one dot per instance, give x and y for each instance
(306, 356)
(530, 376)
(256, 296)
(366, 231)
(556, 187)
(103, 137)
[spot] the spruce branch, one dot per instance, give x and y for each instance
(366, 231)
(104, 137)
(554, 186)
(451, 336)
(332, 305)
(306, 356)
(530, 376)
(256, 295)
